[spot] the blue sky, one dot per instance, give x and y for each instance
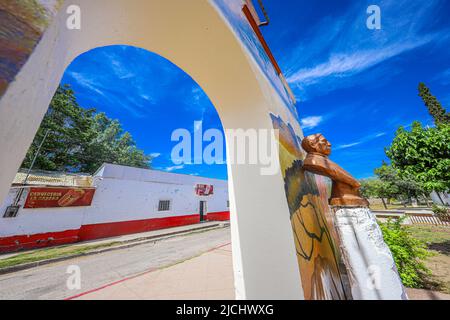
(354, 85)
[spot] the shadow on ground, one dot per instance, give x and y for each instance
(441, 247)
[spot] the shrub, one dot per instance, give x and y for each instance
(409, 253)
(439, 210)
(442, 213)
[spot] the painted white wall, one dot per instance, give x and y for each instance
(437, 198)
(372, 271)
(42, 220)
(125, 193)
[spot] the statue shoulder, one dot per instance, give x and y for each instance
(315, 160)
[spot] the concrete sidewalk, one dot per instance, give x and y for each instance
(206, 277)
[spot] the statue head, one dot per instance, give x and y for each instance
(316, 143)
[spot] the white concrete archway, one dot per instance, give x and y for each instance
(194, 36)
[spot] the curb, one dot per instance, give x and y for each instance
(125, 244)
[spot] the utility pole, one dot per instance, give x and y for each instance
(19, 194)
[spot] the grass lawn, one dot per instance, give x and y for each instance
(49, 253)
(437, 239)
(379, 206)
(397, 206)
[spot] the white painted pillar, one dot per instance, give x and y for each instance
(372, 271)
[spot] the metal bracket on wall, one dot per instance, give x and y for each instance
(266, 16)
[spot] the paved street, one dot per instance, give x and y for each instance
(49, 281)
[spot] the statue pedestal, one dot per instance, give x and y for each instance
(372, 271)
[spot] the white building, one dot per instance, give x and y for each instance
(441, 198)
(125, 200)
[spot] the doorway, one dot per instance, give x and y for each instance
(203, 210)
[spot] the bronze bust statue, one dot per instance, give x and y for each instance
(345, 188)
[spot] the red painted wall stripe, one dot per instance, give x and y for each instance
(112, 229)
(218, 216)
(40, 240)
(102, 230)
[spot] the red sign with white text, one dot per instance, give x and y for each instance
(59, 197)
(204, 189)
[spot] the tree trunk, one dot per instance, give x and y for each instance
(384, 203)
(427, 200)
(409, 201)
(439, 196)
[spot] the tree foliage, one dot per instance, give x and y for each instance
(439, 114)
(423, 154)
(389, 184)
(398, 185)
(81, 140)
(376, 188)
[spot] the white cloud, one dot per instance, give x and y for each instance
(349, 145)
(311, 122)
(197, 101)
(174, 168)
(348, 64)
(338, 48)
(148, 98)
(360, 141)
(86, 82)
(155, 155)
(380, 134)
(121, 71)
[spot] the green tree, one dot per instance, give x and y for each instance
(434, 107)
(389, 184)
(81, 140)
(377, 188)
(398, 186)
(423, 155)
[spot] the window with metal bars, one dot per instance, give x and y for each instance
(164, 205)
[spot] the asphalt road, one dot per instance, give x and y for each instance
(50, 281)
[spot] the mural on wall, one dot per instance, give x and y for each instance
(321, 268)
(22, 24)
